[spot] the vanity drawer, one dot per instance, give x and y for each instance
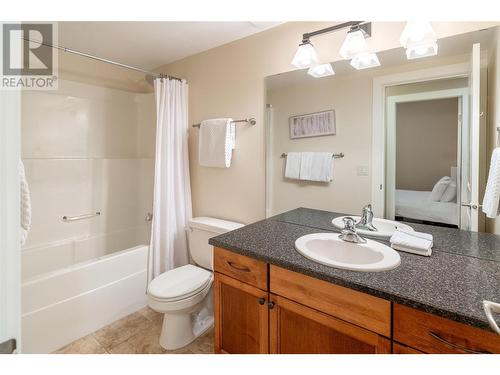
(240, 267)
(433, 334)
(362, 309)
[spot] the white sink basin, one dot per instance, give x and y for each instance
(330, 250)
(386, 228)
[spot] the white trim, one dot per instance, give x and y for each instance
(378, 120)
(390, 178)
(10, 255)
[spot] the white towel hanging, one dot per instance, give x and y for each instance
(216, 142)
(491, 198)
(25, 204)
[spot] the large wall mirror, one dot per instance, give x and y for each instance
(410, 137)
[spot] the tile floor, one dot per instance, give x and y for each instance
(137, 333)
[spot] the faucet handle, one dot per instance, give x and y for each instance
(349, 223)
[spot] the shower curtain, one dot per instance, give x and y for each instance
(172, 190)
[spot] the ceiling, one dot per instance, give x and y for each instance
(451, 46)
(151, 44)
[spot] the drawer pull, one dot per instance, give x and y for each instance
(455, 346)
(238, 267)
(489, 309)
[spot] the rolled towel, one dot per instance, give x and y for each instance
(412, 242)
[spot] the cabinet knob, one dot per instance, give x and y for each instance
(262, 300)
(270, 304)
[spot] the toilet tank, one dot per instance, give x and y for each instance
(200, 229)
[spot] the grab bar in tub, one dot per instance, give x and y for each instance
(80, 217)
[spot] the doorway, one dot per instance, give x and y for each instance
(424, 163)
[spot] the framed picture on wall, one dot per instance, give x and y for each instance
(313, 124)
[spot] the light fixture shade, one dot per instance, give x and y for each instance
(423, 50)
(305, 56)
(365, 61)
(417, 33)
(321, 70)
(354, 44)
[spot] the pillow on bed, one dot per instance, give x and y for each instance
(450, 193)
(439, 189)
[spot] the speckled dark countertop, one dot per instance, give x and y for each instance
(464, 268)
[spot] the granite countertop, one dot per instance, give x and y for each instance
(464, 268)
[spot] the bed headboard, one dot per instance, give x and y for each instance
(453, 173)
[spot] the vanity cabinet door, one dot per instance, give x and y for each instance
(241, 317)
(297, 329)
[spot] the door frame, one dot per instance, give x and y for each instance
(461, 94)
(380, 83)
(10, 249)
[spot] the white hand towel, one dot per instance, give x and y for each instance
(25, 204)
(292, 168)
(492, 194)
(216, 142)
(316, 166)
(412, 242)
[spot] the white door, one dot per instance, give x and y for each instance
(10, 286)
(469, 208)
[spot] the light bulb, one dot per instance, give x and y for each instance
(365, 61)
(354, 44)
(305, 56)
(321, 70)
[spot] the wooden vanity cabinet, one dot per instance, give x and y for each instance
(261, 308)
(298, 329)
(241, 313)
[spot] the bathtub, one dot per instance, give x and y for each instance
(68, 293)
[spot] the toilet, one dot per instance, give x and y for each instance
(184, 294)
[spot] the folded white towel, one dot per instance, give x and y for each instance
(412, 242)
(292, 168)
(25, 204)
(492, 194)
(316, 166)
(216, 142)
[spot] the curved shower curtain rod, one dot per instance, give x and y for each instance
(107, 61)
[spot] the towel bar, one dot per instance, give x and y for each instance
(335, 156)
(252, 121)
(80, 217)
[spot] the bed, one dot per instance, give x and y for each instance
(411, 204)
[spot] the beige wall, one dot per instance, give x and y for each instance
(493, 225)
(426, 142)
(229, 81)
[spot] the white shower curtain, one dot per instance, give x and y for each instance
(172, 190)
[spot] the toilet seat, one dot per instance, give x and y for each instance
(179, 283)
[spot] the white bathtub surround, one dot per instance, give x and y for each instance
(25, 211)
(172, 190)
(85, 149)
(216, 142)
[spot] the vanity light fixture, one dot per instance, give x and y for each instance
(354, 47)
(419, 39)
(305, 56)
(321, 70)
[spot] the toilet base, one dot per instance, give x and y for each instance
(179, 330)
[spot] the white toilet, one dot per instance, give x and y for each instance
(184, 294)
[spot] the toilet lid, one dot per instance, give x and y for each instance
(179, 283)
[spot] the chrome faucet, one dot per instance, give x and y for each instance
(349, 234)
(366, 219)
